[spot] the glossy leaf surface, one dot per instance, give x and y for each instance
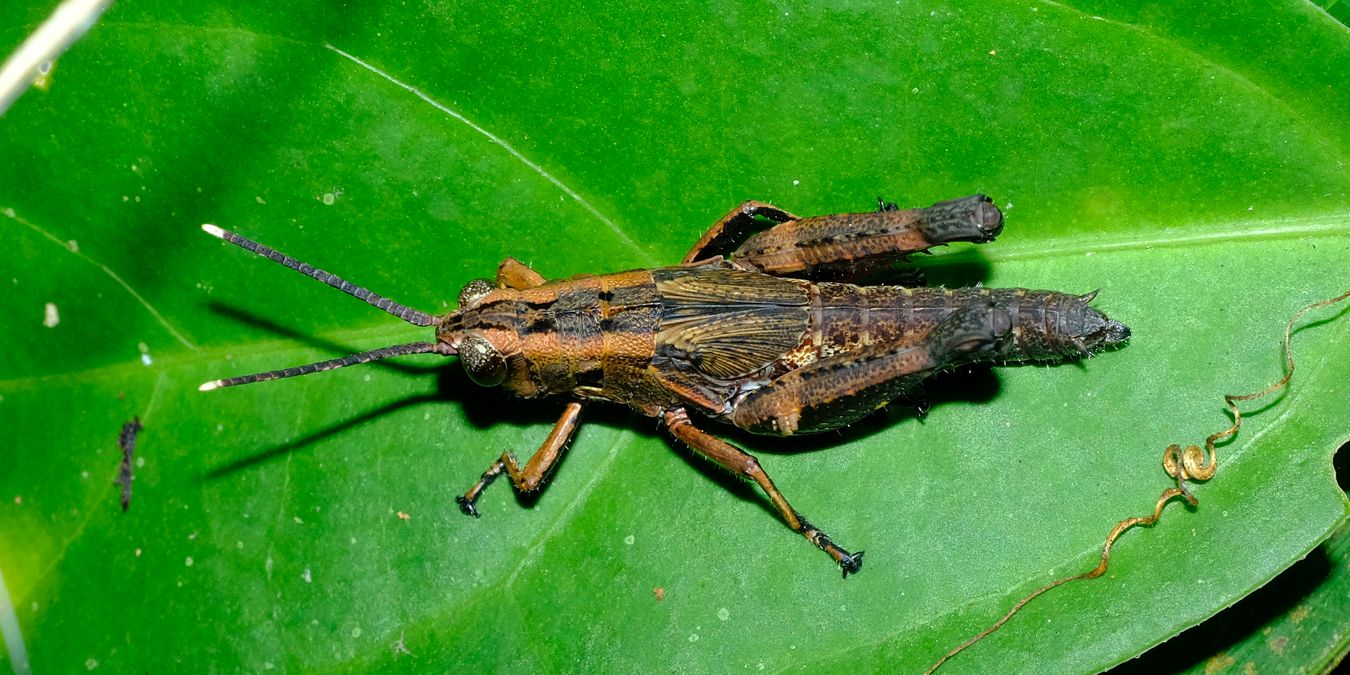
(1191, 166)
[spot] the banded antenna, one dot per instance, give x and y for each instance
(408, 314)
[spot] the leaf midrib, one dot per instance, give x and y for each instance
(1212, 234)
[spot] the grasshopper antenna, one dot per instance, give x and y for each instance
(408, 314)
(343, 362)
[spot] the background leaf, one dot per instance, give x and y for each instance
(1191, 165)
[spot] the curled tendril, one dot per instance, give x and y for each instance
(1191, 463)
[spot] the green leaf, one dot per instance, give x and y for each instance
(1190, 165)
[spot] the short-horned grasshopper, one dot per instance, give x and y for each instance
(757, 327)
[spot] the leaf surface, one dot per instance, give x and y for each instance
(1194, 169)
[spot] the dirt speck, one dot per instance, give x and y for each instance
(400, 647)
(1277, 644)
(1219, 662)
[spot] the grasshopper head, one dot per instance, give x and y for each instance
(483, 333)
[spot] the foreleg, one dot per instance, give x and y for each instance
(532, 475)
(517, 275)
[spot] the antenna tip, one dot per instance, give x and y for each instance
(208, 386)
(213, 230)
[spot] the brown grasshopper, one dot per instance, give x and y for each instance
(746, 330)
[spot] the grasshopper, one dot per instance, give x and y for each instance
(758, 327)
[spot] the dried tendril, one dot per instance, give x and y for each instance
(1183, 464)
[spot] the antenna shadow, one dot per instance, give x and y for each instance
(279, 451)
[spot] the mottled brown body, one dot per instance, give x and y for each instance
(733, 335)
(711, 336)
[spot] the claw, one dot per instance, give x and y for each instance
(466, 507)
(921, 408)
(851, 563)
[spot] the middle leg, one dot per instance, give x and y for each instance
(745, 465)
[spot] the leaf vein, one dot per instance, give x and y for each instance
(106, 270)
(1313, 129)
(510, 149)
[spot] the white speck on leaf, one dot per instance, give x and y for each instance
(629, 540)
(356, 632)
(329, 198)
(307, 576)
(50, 316)
(724, 614)
(73, 245)
(693, 637)
(188, 562)
(91, 663)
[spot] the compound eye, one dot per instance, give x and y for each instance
(485, 365)
(473, 292)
